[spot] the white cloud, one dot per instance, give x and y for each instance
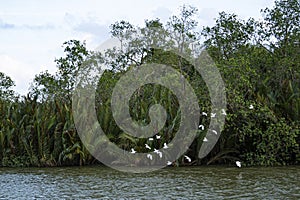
(45, 26)
(207, 16)
(18, 71)
(92, 27)
(4, 25)
(162, 13)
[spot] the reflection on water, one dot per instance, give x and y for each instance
(169, 183)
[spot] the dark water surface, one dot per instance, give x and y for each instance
(169, 183)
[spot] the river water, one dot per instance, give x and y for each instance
(169, 183)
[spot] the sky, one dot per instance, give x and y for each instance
(32, 32)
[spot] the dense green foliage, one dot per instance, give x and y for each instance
(259, 62)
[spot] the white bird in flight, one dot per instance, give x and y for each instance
(215, 132)
(158, 137)
(149, 156)
(169, 163)
(160, 154)
(224, 112)
(213, 115)
(151, 139)
(238, 163)
(147, 146)
(205, 139)
(133, 151)
(165, 146)
(188, 158)
(251, 107)
(204, 113)
(201, 127)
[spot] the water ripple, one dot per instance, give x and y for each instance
(170, 183)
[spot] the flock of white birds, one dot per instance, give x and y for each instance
(201, 127)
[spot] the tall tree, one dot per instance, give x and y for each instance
(62, 83)
(6, 84)
(228, 36)
(281, 31)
